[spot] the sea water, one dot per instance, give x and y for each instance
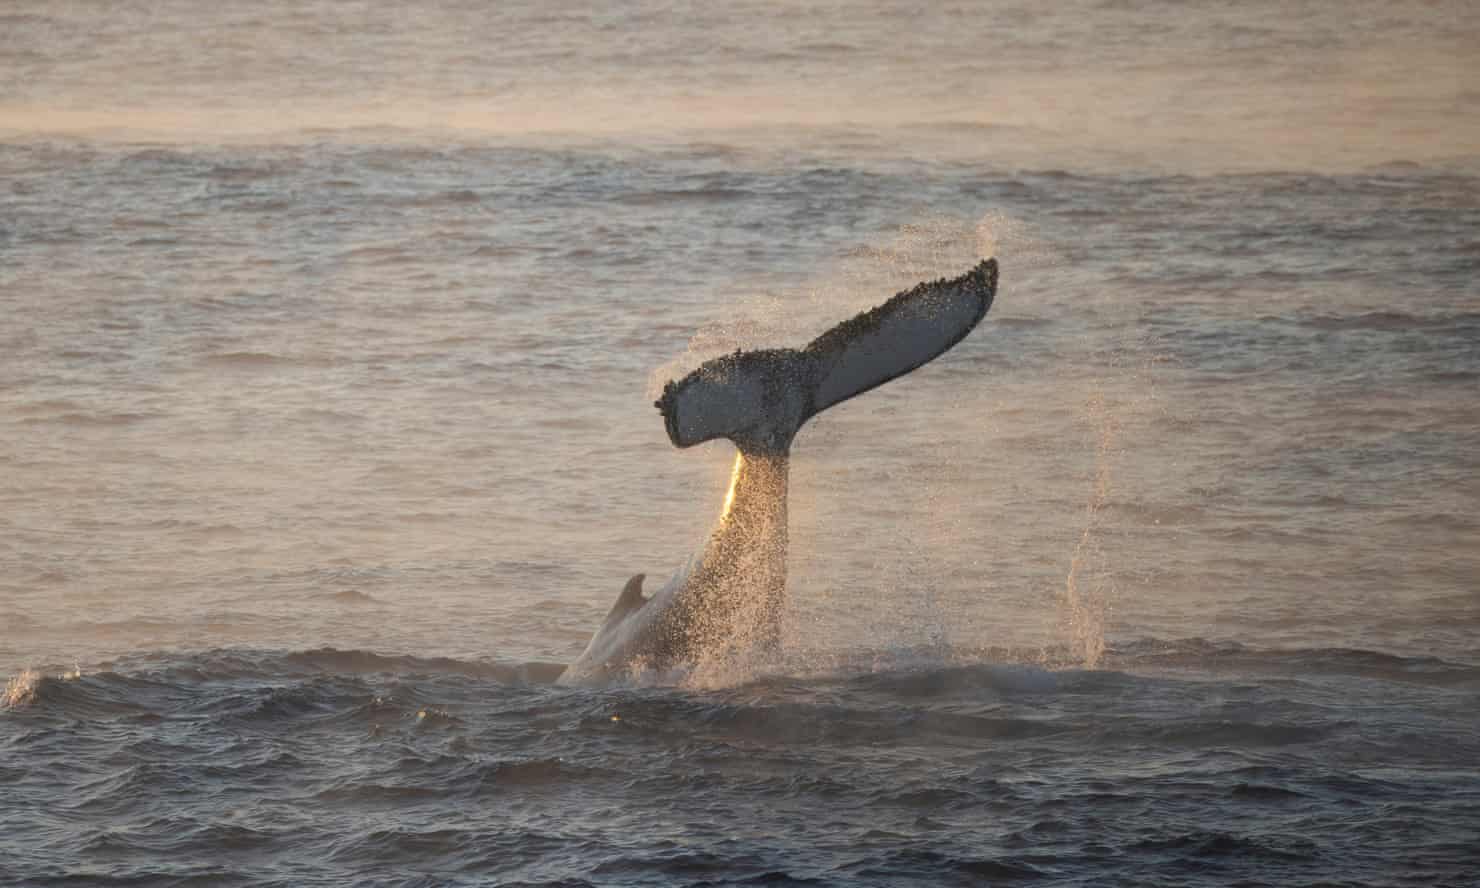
(330, 334)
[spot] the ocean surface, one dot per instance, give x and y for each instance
(329, 333)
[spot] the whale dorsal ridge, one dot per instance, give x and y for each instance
(632, 592)
(630, 600)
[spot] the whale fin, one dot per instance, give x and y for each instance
(630, 600)
(759, 399)
(904, 333)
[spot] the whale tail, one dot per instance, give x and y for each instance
(759, 399)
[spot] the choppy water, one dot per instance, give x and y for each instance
(330, 338)
(1180, 763)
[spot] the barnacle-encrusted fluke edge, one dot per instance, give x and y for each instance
(983, 278)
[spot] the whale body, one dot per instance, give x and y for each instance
(728, 597)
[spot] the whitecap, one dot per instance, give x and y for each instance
(21, 689)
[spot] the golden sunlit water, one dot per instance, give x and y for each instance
(331, 332)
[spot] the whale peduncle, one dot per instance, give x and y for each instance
(729, 598)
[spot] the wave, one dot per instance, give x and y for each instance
(857, 722)
(454, 197)
(1257, 792)
(1437, 521)
(255, 687)
(1464, 376)
(352, 596)
(391, 254)
(924, 748)
(664, 197)
(1203, 734)
(1231, 656)
(971, 679)
(247, 359)
(1206, 844)
(225, 664)
(933, 865)
(941, 690)
(1390, 321)
(355, 661)
(93, 418)
(20, 689)
(102, 695)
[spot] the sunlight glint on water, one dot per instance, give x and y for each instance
(326, 440)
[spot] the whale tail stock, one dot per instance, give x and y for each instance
(759, 399)
(729, 597)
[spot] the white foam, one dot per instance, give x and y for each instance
(21, 689)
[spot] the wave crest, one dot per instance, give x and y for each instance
(21, 689)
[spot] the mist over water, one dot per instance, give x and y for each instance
(1195, 87)
(331, 335)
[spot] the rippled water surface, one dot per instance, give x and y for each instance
(1186, 762)
(331, 335)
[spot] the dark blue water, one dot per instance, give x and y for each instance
(328, 340)
(1178, 763)
(1238, 407)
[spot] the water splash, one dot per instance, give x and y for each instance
(1089, 585)
(21, 689)
(1115, 405)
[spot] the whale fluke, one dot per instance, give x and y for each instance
(904, 333)
(758, 399)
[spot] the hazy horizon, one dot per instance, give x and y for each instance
(332, 334)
